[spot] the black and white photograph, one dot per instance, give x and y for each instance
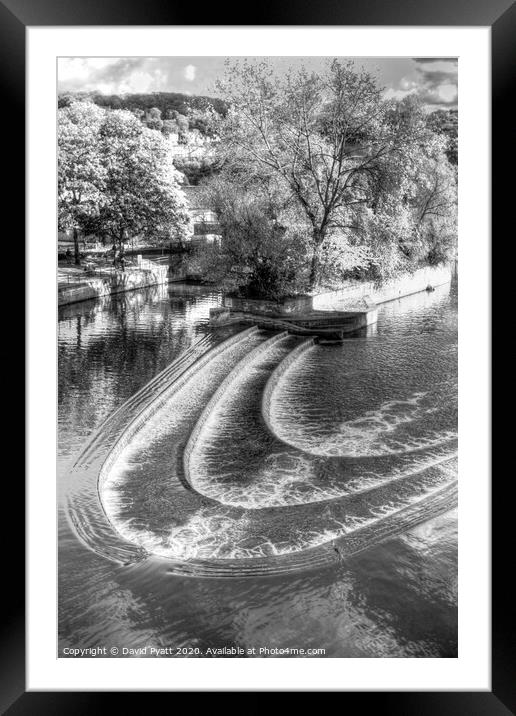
(258, 310)
(257, 281)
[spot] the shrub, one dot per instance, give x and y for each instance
(262, 252)
(440, 239)
(341, 260)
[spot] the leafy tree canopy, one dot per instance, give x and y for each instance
(116, 177)
(170, 104)
(339, 151)
(446, 123)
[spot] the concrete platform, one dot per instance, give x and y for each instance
(329, 326)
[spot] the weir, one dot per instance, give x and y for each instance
(200, 468)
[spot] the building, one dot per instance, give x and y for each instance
(205, 220)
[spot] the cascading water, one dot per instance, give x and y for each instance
(351, 444)
(398, 598)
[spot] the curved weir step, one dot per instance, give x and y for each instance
(274, 415)
(83, 504)
(332, 548)
(234, 457)
(242, 385)
(149, 391)
(190, 470)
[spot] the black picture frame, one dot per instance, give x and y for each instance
(500, 15)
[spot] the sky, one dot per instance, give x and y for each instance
(433, 79)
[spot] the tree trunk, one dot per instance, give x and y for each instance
(318, 238)
(122, 252)
(77, 252)
(314, 268)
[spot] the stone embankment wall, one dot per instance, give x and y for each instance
(344, 310)
(405, 285)
(119, 282)
(356, 293)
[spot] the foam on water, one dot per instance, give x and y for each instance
(216, 536)
(280, 489)
(232, 459)
(203, 536)
(218, 533)
(374, 433)
(289, 479)
(175, 417)
(232, 462)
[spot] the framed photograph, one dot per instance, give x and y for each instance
(258, 354)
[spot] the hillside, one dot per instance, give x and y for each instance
(171, 105)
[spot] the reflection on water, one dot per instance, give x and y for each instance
(109, 348)
(396, 599)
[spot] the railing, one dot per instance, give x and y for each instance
(86, 272)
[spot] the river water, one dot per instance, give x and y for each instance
(360, 441)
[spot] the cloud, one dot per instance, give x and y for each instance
(444, 96)
(73, 69)
(428, 60)
(406, 84)
(190, 72)
(122, 75)
(433, 80)
(438, 84)
(392, 93)
(111, 75)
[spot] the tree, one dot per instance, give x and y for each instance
(80, 167)
(436, 203)
(169, 103)
(197, 168)
(446, 123)
(141, 195)
(329, 138)
(262, 252)
(204, 119)
(183, 125)
(153, 119)
(411, 219)
(169, 127)
(116, 178)
(265, 247)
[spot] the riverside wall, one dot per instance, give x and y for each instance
(359, 291)
(355, 293)
(96, 286)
